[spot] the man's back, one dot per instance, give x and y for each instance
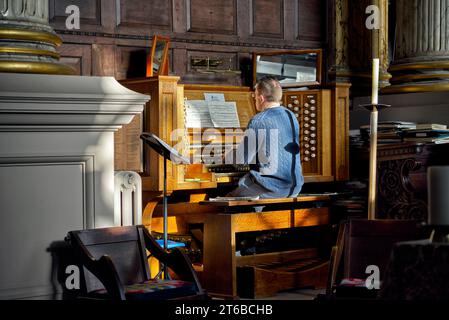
(276, 164)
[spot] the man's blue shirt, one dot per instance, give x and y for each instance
(271, 147)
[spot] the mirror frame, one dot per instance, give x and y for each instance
(319, 62)
(163, 68)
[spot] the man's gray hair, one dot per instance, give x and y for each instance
(270, 88)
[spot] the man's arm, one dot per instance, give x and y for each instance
(246, 151)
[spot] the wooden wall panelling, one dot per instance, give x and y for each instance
(128, 147)
(221, 28)
(103, 60)
(311, 18)
(291, 12)
(180, 61)
(340, 134)
(243, 19)
(213, 16)
(131, 62)
(179, 16)
(90, 11)
(144, 16)
(95, 15)
(77, 56)
(267, 18)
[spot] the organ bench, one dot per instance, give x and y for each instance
(222, 221)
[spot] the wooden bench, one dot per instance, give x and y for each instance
(261, 202)
(220, 229)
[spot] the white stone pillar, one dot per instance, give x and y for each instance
(56, 168)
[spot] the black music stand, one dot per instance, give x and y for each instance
(158, 145)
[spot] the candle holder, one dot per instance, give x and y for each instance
(373, 108)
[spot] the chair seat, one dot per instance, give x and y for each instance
(354, 288)
(154, 289)
(170, 244)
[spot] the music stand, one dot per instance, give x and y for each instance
(158, 145)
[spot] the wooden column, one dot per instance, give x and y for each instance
(353, 46)
(338, 56)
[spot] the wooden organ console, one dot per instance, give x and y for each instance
(323, 118)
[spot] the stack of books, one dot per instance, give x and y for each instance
(427, 133)
(387, 131)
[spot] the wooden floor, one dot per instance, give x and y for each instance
(299, 294)
(302, 294)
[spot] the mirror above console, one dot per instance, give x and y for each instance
(293, 68)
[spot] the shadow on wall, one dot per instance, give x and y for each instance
(137, 64)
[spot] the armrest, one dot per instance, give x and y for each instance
(102, 268)
(175, 260)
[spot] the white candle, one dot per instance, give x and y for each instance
(375, 87)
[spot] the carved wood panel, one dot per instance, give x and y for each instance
(137, 13)
(214, 16)
(267, 18)
(217, 60)
(90, 11)
(311, 20)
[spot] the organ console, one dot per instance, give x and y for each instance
(323, 117)
(319, 120)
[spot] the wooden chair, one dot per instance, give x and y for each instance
(361, 243)
(117, 266)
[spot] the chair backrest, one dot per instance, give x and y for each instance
(124, 245)
(127, 198)
(369, 242)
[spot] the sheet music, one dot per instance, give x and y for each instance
(211, 114)
(197, 114)
(224, 114)
(214, 97)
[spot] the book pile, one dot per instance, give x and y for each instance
(427, 133)
(352, 203)
(387, 131)
(355, 138)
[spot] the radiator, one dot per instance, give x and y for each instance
(127, 198)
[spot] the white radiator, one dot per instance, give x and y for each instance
(127, 198)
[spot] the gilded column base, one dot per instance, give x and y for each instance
(362, 82)
(30, 51)
(419, 77)
(36, 67)
(339, 75)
